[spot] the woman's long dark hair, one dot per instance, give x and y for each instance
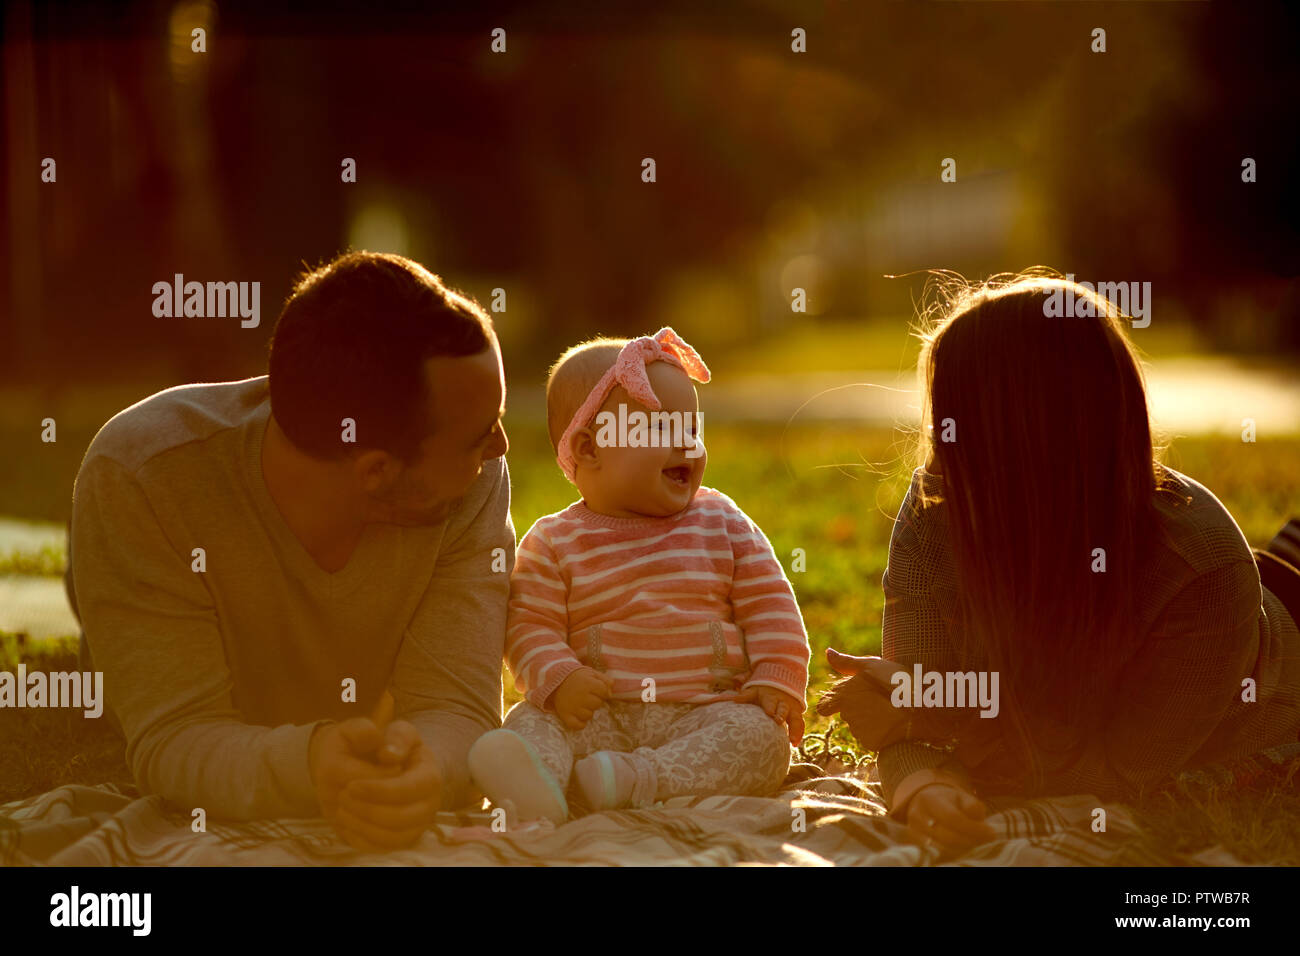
(1042, 440)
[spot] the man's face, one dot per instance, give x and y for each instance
(467, 401)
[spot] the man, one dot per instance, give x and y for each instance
(263, 566)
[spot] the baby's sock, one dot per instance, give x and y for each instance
(605, 779)
(508, 769)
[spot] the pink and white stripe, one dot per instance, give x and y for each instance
(655, 587)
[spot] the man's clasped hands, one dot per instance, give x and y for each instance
(377, 781)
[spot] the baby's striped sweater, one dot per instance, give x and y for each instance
(696, 601)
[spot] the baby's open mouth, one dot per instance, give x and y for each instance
(680, 475)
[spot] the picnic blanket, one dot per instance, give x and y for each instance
(814, 821)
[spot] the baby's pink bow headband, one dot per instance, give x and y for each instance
(629, 370)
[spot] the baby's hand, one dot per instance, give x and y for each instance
(580, 695)
(780, 706)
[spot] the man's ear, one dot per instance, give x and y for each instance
(585, 450)
(376, 470)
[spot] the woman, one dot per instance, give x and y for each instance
(1116, 599)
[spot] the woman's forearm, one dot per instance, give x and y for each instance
(909, 764)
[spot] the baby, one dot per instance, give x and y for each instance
(651, 629)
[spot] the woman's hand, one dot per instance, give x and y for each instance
(865, 705)
(877, 670)
(950, 818)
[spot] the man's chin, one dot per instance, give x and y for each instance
(426, 518)
(429, 518)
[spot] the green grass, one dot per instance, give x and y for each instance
(832, 491)
(35, 478)
(49, 561)
(52, 747)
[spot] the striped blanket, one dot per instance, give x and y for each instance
(815, 821)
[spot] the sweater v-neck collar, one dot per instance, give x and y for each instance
(291, 549)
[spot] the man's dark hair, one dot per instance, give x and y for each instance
(351, 342)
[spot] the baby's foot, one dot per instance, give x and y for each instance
(605, 779)
(508, 770)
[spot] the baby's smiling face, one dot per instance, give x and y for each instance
(631, 482)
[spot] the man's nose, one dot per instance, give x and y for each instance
(499, 446)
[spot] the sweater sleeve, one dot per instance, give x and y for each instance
(152, 628)
(765, 609)
(537, 629)
(447, 677)
(1186, 680)
(913, 631)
